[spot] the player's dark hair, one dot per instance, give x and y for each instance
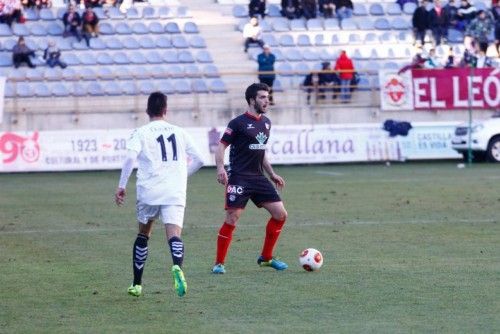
(157, 102)
(251, 92)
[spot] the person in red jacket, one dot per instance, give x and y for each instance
(346, 71)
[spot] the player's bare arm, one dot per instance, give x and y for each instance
(120, 195)
(278, 180)
(219, 161)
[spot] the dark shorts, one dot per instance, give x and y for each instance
(242, 188)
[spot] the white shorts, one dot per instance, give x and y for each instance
(170, 214)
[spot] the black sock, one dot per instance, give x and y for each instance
(177, 250)
(139, 256)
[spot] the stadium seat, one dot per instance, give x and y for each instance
(123, 28)
(70, 58)
(105, 73)
(391, 65)
(280, 25)
(10, 90)
(59, 89)
(139, 28)
(240, 11)
(99, 12)
(82, 45)
(38, 29)
(274, 10)
(314, 25)
(172, 28)
(149, 13)
(286, 40)
(156, 28)
(32, 44)
(376, 9)
(145, 87)
(130, 43)
(40, 89)
(166, 86)
(30, 14)
(8, 44)
(278, 86)
(106, 29)
(297, 25)
(348, 24)
(23, 89)
(133, 14)
(331, 24)
(103, 58)
(46, 14)
(197, 42)
(405, 37)
(120, 58)
(359, 9)
(310, 55)
(185, 56)
(355, 38)
(320, 40)
(163, 42)
(265, 26)
(324, 55)
(217, 86)
(409, 8)
(182, 86)
(199, 86)
(52, 74)
(147, 42)
(270, 40)
(87, 73)
(400, 23)
(455, 36)
(191, 28)
(293, 54)
(364, 23)
(153, 57)
(137, 57)
(114, 43)
(115, 14)
(165, 13)
(87, 58)
(393, 8)
(182, 12)
(123, 72)
(128, 87)
(5, 30)
(382, 24)
(192, 71)
(304, 40)
(18, 74)
(170, 56)
(95, 89)
(174, 71)
(34, 74)
(204, 56)
(97, 44)
(340, 39)
(55, 29)
(79, 89)
(284, 69)
(302, 69)
(210, 71)
(180, 42)
(112, 88)
(372, 66)
(388, 38)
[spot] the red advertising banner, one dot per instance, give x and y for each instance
(458, 88)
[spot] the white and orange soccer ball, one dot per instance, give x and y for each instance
(311, 259)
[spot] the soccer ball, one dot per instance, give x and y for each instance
(311, 259)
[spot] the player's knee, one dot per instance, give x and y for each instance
(282, 215)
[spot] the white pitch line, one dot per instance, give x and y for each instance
(93, 230)
(324, 172)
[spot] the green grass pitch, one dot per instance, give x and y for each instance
(410, 248)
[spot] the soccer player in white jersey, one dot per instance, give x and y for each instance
(166, 156)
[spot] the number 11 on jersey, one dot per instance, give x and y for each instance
(170, 139)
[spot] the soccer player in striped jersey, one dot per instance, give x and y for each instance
(166, 156)
(244, 179)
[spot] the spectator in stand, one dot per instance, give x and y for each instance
(450, 12)
(450, 60)
(420, 21)
(94, 3)
(344, 9)
(469, 59)
(480, 27)
(465, 15)
(21, 53)
(437, 22)
(345, 68)
(252, 33)
(417, 62)
(11, 11)
(328, 81)
(257, 7)
(402, 3)
(52, 56)
(495, 10)
(90, 23)
(266, 62)
(432, 61)
(310, 85)
(290, 9)
(326, 8)
(72, 23)
(309, 8)
(483, 60)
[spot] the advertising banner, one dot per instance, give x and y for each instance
(106, 149)
(444, 89)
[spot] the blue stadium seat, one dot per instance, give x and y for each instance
(165, 13)
(293, 54)
(130, 43)
(331, 24)
(170, 56)
(348, 24)
(32, 44)
(264, 25)
(180, 42)
(376, 9)
(10, 90)
(40, 89)
(314, 25)
(100, 13)
(114, 43)
(59, 89)
(82, 45)
(139, 28)
(137, 57)
(278, 86)
(399, 23)
(31, 14)
(270, 40)
(87, 58)
(133, 14)
(106, 29)
(278, 54)
(182, 86)
(162, 72)
(156, 28)
(388, 38)
(274, 10)
(302, 69)
(55, 29)
(355, 38)
(199, 86)
(112, 88)
(192, 71)
(364, 23)
(185, 57)
(145, 87)
(204, 56)
(240, 11)
(105, 73)
(172, 28)
(175, 71)
(120, 58)
(115, 14)
(87, 73)
(393, 8)
(320, 40)
(182, 12)
(340, 39)
(455, 36)
(371, 38)
(409, 8)
(286, 40)
(166, 87)
(390, 65)
(310, 55)
(359, 9)
(147, 42)
(324, 55)
(163, 42)
(405, 37)
(382, 24)
(97, 44)
(284, 69)
(280, 25)
(46, 14)
(123, 72)
(70, 58)
(153, 57)
(95, 89)
(217, 86)
(297, 25)
(128, 87)
(18, 74)
(34, 74)
(372, 66)
(24, 89)
(304, 40)
(5, 30)
(123, 28)
(210, 71)
(52, 74)
(191, 28)
(79, 89)
(103, 58)
(149, 13)
(38, 29)
(197, 42)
